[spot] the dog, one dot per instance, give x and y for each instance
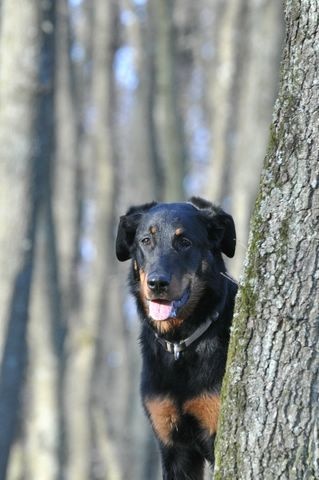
(185, 300)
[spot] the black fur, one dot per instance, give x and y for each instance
(177, 267)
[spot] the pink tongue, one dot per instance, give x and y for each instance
(159, 311)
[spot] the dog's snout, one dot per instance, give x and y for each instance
(158, 282)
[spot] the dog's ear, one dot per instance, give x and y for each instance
(220, 225)
(127, 229)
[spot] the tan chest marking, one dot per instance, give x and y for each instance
(164, 417)
(164, 326)
(205, 408)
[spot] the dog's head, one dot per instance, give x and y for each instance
(176, 251)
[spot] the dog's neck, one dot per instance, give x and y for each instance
(176, 348)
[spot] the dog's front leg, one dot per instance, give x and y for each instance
(180, 463)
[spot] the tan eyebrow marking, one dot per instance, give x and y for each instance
(153, 229)
(179, 231)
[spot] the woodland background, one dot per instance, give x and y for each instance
(104, 104)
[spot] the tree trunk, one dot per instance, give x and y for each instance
(90, 449)
(243, 83)
(44, 413)
(258, 72)
(17, 113)
(27, 143)
(269, 421)
(223, 81)
(170, 140)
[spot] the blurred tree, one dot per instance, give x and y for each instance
(257, 85)
(88, 448)
(167, 118)
(137, 148)
(269, 419)
(27, 143)
(242, 87)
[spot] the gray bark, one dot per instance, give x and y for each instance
(243, 83)
(223, 80)
(43, 415)
(170, 140)
(91, 451)
(17, 113)
(259, 59)
(269, 420)
(27, 144)
(136, 141)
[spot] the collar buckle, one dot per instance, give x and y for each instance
(177, 348)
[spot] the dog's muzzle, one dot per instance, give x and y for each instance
(163, 309)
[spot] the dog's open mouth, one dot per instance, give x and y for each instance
(163, 309)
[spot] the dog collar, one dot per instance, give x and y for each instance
(177, 347)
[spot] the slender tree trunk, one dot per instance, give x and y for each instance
(90, 449)
(44, 415)
(258, 78)
(148, 88)
(43, 444)
(222, 85)
(26, 120)
(135, 136)
(67, 112)
(166, 109)
(17, 114)
(243, 81)
(43, 408)
(269, 420)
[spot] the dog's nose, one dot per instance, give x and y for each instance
(158, 282)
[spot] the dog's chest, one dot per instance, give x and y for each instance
(173, 420)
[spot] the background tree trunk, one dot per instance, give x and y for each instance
(243, 83)
(27, 142)
(258, 59)
(87, 453)
(170, 140)
(269, 420)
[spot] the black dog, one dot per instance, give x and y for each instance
(185, 300)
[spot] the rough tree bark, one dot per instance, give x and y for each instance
(269, 421)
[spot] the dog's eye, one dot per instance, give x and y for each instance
(182, 243)
(146, 241)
